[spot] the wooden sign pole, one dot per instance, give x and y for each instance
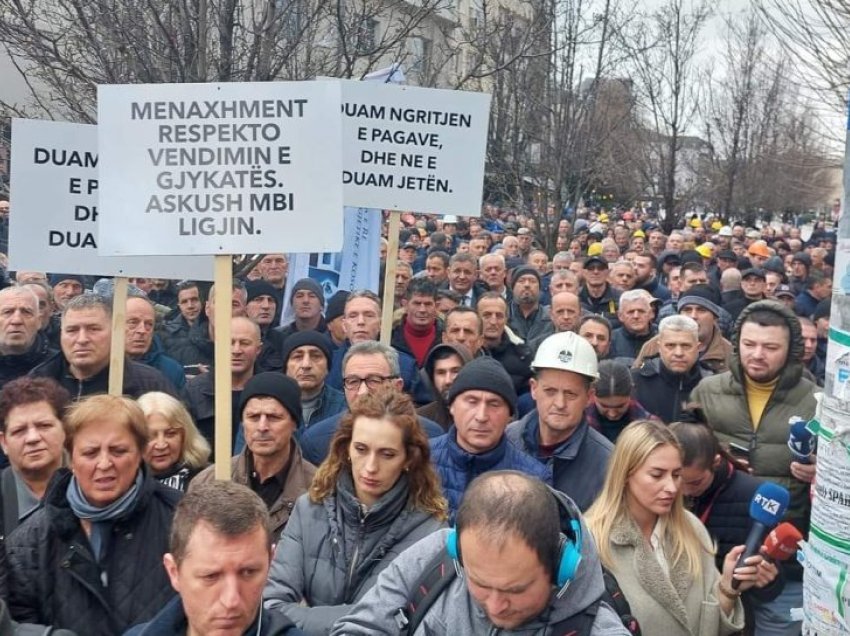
(223, 384)
(119, 329)
(389, 277)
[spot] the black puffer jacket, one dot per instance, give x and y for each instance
(662, 392)
(138, 378)
(55, 580)
(724, 509)
(516, 357)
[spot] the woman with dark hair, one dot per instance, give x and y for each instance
(375, 495)
(176, 450)
(32, 436)
(90, 559)
(613, 408)
(718, 489)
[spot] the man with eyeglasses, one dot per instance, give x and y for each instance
(366, 367)
(556, 432)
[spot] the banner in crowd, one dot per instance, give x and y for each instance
(357, 266)
(55, 185)
(231, 168)
(414, 149)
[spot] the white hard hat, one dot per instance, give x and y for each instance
(449, 218)
(566, 351)
(725, 231)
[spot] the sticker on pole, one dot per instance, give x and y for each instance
(410, 148)
(56, 213)
(220, 168)
(826, 597)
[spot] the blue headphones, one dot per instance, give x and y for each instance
(568, 562)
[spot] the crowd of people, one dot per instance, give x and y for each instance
(547, 445)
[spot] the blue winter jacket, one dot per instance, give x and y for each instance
(457, 468)
(413, 386)
(165, 364)
(315, 440)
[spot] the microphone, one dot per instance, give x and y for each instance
(781, 542)
(766, 510)
(800, 440)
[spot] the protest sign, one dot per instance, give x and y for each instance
(220, 168)
(55, 185)
(416, 149)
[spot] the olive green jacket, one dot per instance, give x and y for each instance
(723, 398)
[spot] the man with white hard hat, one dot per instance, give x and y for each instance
(556, 432)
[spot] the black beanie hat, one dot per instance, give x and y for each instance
(310, 285)
(302, 339)
(485, 374)
(274, 385)
(257, 288)
(336, 305)
(55, 279)
(524, 270)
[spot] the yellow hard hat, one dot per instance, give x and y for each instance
(594, 249)
(639, 233)
(603, 218)
(695, 222)
(716, 225)
(704, 251)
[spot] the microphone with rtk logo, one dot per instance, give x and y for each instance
(766, 510)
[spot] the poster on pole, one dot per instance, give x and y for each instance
(56, 213)
(414, 149)
(234, 168)
(357, 266)
(826, 594)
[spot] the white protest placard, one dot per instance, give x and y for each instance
(55, 210)
(415, 149)
(220, 168)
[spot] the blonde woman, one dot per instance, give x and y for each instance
(176, 451)
(661, 554)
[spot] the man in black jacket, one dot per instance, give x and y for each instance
(197, 349)
(501, 343)
(22, 346)
(221, 551)
(663, 385)
(82, 367)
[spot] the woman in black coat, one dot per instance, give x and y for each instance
(176, 450)
(90, 560)
(718, 490)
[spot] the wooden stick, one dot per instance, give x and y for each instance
(223, 396)
(389, 277)
(119, 329)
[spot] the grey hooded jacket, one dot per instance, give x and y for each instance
(331, 553)
(456, 612)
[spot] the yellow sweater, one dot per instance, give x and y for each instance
(757, 396)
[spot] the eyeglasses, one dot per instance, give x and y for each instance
(353, 383)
